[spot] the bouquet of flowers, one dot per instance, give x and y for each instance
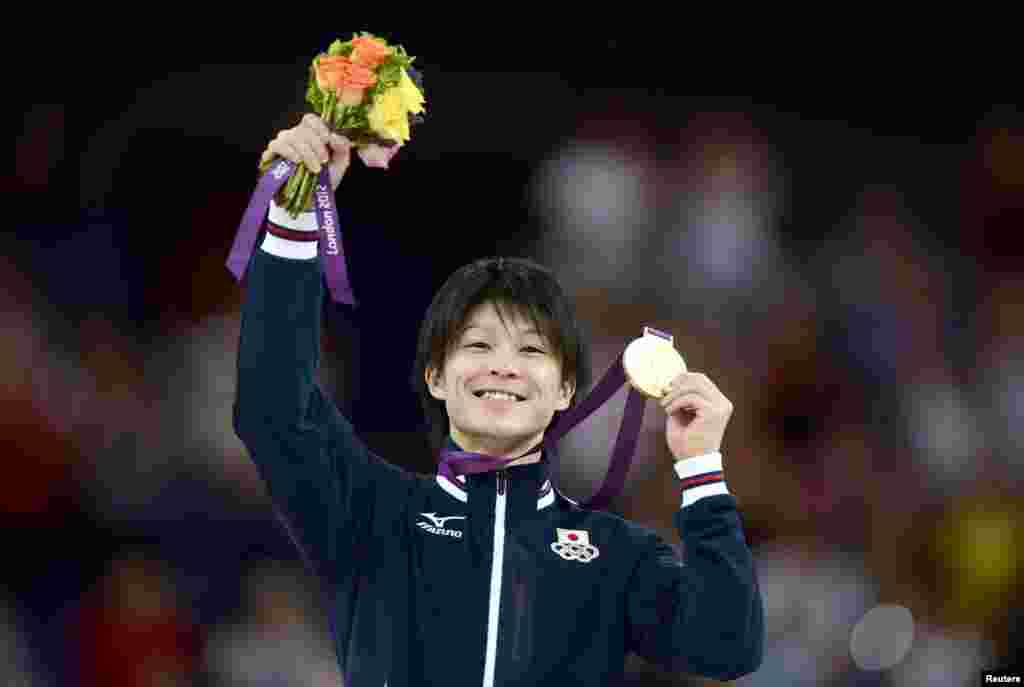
(367, 91)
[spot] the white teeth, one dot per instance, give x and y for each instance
(495, 394)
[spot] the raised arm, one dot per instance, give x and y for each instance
(323, 480)
(704, 615)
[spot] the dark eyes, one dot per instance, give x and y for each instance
(525, 348)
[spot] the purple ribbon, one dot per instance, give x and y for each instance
(465, 462)
(452, 463)
(329, 247)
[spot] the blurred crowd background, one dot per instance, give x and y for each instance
(846, 269)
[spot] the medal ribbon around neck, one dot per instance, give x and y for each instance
(454, 463)
(329, 247)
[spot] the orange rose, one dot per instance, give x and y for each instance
(338, 73)
(369, 52)
(330, 72)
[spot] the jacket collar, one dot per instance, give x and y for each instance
(534, 477)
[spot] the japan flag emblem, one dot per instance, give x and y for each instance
(574, 545)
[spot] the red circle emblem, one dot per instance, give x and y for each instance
(573, 537)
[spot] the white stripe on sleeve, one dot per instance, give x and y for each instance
(699, 465)
(283, 248)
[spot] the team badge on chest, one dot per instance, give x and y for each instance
(574, 545)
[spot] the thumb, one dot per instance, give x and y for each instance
(339, 144)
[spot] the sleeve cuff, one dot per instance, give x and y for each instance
(295, 239)
(700, 476)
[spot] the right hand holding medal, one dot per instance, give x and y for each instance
(697, 411)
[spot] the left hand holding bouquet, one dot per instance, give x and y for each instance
(311, 144)
(365, 95)
(365, 91)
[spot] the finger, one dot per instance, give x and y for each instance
(711, 391)
(312, 141)
(340, 162)
(308, 119)
(310, 157)
(283, 148)
(676, 395)
(698, 401)
(294, 151)
(692, 402)
(318, 127)
(340, 143)
(696, 382)
(682, 389)
(341, 154)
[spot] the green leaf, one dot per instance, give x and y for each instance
(339, 48)
(314, 96)
(356, 118)
(388, 76)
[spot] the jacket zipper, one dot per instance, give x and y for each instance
(496, 566)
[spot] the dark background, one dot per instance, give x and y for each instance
(135, 163)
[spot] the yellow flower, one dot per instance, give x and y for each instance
(410, 94)
(389, 116)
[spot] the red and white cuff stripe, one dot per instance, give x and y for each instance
(701, 476)
(295, 239)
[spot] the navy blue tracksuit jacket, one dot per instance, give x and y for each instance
(493, 579)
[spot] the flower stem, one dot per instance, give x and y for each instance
(285, 193)
(291, 188)
(298, 199)
(302, 190)
(305, 191)
(330, 105)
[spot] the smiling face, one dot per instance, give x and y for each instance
(488, 354)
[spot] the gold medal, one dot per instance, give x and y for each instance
(652, 362)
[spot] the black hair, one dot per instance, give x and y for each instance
(514, 285)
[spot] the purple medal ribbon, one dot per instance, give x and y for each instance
(332, 255)
(465, 462)
(329, 248)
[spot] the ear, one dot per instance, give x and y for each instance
(434, 383)
(567, 390)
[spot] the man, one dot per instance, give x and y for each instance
(492, 578)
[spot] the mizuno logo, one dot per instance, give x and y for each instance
(438, 524)
(440, 521)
